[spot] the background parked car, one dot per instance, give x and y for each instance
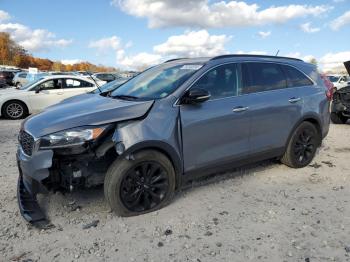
(107, 77)
(6, 78)
(339, 81)
(41, 93)
(341, 102)
(20, 79)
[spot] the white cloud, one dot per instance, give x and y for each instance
(207, 14)
(334, 61)
(4, 16)
(190, 44)
(139, 61)
(306, 58)
(341, 21)
(240, 52)
(34, 40)
(193, 44)
(71, 61)
(263, 34)
(307, 28)
(105, 44)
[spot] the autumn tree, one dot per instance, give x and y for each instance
(13, 54)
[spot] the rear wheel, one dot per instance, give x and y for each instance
(142, 185)
(302, 146)
(14, 110)
(338, 118)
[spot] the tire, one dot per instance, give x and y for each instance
(338, 118)
(302, 146)
(141, 185)
(14, 110)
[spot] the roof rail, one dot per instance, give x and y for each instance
(171, 60)
(248, 55)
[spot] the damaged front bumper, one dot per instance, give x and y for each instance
(32, 170)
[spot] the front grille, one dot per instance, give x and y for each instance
(27, 142)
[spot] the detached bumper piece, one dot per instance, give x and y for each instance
(29, 207)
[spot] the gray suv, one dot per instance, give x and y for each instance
(175, 122)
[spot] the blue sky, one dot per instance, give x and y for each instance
(132, 33)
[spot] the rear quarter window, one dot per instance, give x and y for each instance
(295, 77)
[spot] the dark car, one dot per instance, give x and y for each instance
(6, 78)
(171, 124)
(108, 77)
(341, 102)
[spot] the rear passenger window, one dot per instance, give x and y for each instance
(220, 82)
(260, 77)
(295, 77)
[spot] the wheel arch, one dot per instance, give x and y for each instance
(169, 151)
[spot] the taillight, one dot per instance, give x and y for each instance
(330, 87)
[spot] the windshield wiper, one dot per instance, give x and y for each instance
(125, 97)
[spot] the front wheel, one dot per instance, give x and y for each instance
(141, 185)
(302, 146)
(338, 118)
(14, 110)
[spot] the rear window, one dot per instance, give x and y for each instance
(295, 77)
(260, 77)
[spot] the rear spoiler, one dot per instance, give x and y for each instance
(347, 66)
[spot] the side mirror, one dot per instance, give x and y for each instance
(37, 91)
(196, 95)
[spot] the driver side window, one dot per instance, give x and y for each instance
(51, 84)
(220, 82)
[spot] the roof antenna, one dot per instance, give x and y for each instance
(277, 52)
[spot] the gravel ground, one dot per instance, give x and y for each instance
(265, 212)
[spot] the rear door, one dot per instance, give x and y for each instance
(216, 132)
(274, 105)
(73, 87)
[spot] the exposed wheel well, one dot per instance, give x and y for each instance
(14, 100)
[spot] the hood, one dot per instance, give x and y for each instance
(97, 110)
(77, 98)
(347, 66)
(9, 90)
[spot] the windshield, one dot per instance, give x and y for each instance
(157, 82)
(110, 86)
(333, 79)
(31, 83)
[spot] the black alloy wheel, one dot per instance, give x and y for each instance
(302, 146)
(144, 186)
(139, 185)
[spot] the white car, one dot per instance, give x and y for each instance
(339, 81)
(41, 93)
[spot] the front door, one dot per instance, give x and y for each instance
(216, 132)
(45, 94)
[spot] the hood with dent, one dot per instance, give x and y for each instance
(97, 110)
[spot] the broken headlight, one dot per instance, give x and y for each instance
(71, 137)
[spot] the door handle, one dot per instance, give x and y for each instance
(294, 99)
(240, 109)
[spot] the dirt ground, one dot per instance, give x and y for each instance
(265, 212)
